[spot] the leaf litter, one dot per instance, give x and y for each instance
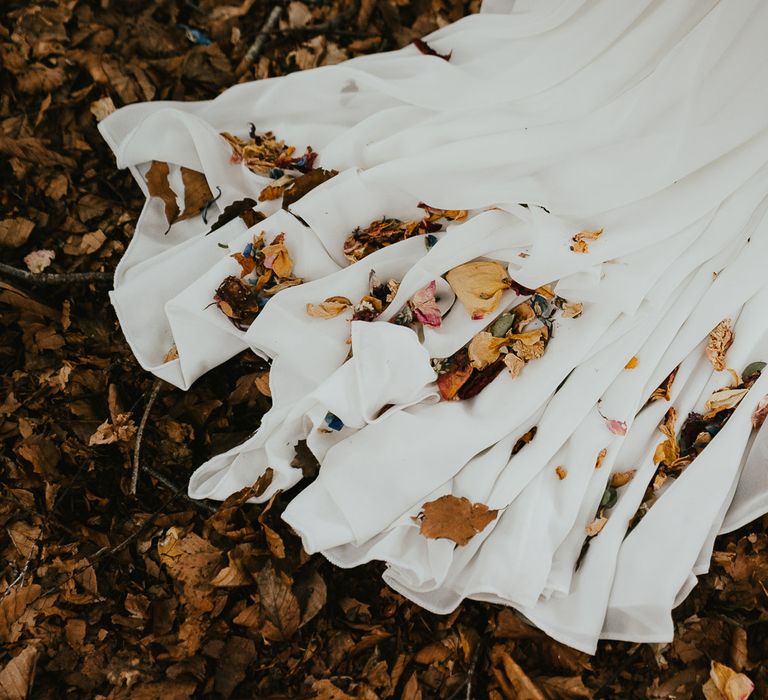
(77, 617)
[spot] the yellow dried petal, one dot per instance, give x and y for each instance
(484, 349)
(561, 472)
(720, 339)
(595, 526)
(330, 308)
(514, 364)
(479, 285)
(632, 363)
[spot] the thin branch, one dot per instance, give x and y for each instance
(54, 277)
(137, 449)
(165, 481)
(258, 43)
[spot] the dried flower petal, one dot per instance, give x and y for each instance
(514, 364)
(619, 479)
(617, 427)
(724, 399)
(330, 308)
(425, 307)
(595, 526)
(484, 349)
(277, 258)
(479, 285)
(572, 310)
(561, 472)
(720, 339)
(580, 244)
(760, 413)
(725, 684)
(600, 458)
(632, 363)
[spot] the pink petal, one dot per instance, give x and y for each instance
(425, 308)
(617, 427)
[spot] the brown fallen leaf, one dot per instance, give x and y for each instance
(12, 607)
(18, 674)
(306, 183)
(513, 682)
(15, 232)
(563, 687)
(454, 518)
(720, 339)
(196, 193)
(158, 186)
(326, 690)
(279, 606)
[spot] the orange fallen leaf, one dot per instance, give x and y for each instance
(454, 518)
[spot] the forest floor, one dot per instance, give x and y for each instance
(108, 595)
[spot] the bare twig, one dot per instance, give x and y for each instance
(258, 43)
(137, 448)
(54, 277)
(165, 481)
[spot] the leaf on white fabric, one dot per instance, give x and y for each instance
(619, 479)
(158, 186)
(454, 518)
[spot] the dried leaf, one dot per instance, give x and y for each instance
(479, 286)
(561, 472)
(524, 439)
(232, 211)
(15, 232)
(720, 339)
(197, 194)
(564, 687)
(632, 363)
(17, 675)
(12, 607)
(427, 50)
(278, 604)
(514, 682)
(158, 186)
(306, 183)
(725, 684)
(330, 308)
(454, 518)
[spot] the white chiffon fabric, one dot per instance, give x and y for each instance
(647, 118)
